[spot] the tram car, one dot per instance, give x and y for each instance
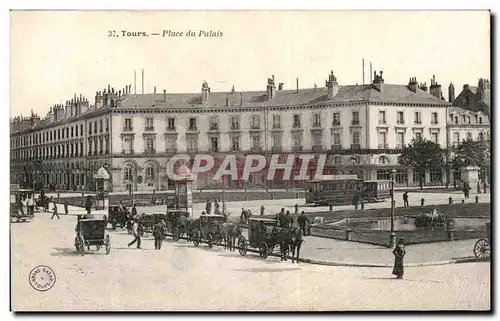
(17, 214)
(343, 189)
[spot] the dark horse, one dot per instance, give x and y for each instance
(291, 240)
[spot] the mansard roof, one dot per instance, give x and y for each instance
(350, 93)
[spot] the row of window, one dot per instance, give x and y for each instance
(60, 133)
(456, 137)
(95, 147)
(466, 119)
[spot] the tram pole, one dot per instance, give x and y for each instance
(392, 239)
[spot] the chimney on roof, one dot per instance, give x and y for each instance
(280, 86)
(241, 99)
(451, 92)
(227, 101)
(297, 84)
(378, 81)
(205, 92)
(412, 84)
(332, 85)
(271, 88)
(154, 90)
(435, 89)
(232, 90)
(423, 87)
(315, 87)
(164, 95)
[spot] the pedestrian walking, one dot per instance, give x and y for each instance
(405, 199)
(303, 221)
(134, 211)
(135, 232)
(208, 207)
(399, 254)
(54, 213)
(158, 233)
(478, 188)
(296, 208)
(484, 187)
(65, 207)
(262, 209)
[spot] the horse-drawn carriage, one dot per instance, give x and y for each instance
(267, 237)
(177, 223)
(482, 248)
(261, 235)
(209, 230)
(118, 217)
(91, 232)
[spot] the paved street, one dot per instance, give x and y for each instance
(182, 277)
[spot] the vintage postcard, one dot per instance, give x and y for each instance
(250, 160)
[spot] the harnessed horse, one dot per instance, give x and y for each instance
(290, 241)
(230, 232)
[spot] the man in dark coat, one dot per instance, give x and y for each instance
(280, 216)
(134, 211)
(399, 254)
(158, 233)
(302, 220)
(208, 207)
(66, 207)
(405, 199)
(88, 204)
(55, 212)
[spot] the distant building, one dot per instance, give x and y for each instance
(362, 129)
(472, 98)
(463, 125)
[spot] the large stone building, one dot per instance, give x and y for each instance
(361, 128)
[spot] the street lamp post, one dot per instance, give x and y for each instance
(392, 240)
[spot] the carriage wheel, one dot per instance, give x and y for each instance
(80, 245)
(175, 234)
(482, 249)
(107, 243)
(210, 240)
(195, 237)
(264, 250)
(242, 246)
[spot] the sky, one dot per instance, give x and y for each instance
(55, 54)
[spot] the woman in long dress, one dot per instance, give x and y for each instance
(399, 253)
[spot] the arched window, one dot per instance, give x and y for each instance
(337, 160)
(481, 136)
(150, 173)
(383, 160)
(127, 173)
(355, 160)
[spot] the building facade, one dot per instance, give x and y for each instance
(360, 128)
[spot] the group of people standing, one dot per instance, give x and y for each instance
(217, 210)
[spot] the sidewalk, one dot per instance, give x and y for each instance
(335, 252)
